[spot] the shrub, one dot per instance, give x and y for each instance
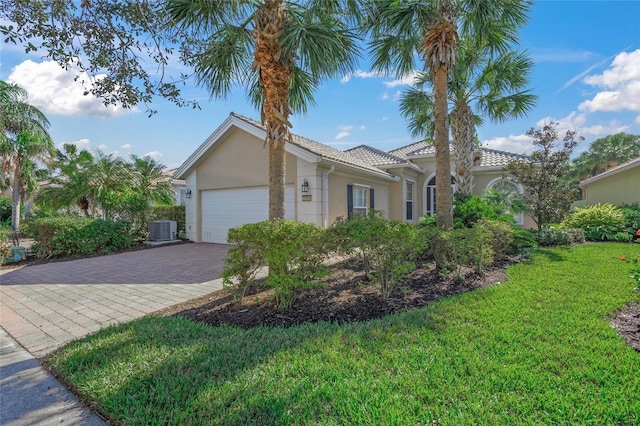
(559, 236)
(388, 248)
(522, 240)
(426, 221)
(631, 213)
(68, 235)
(456, 248)
(501, 236)
(244, 259)
(468, 209)
(600, 222)
(5, 210)
(294, 252)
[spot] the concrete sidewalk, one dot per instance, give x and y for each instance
(43, 307)
(30, 395)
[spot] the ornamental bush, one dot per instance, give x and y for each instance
(388, 248)
(70, 235)
(455, 248)
(631, 214)
(501, 236)
(294, 252)
(554, 236)
(600, 222)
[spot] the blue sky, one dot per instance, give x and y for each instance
(586, 74)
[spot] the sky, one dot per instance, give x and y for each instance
(586, 75)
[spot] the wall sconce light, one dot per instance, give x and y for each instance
(305, 186)
(188, 193)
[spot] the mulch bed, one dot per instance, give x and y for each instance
(346, 296)
(627, 324)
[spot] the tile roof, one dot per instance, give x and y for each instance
(374, 156)
(370, 159)
(493, 157)
(324, 151)
(490, 157)
(410, 150)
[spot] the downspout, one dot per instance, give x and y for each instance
(325, 196)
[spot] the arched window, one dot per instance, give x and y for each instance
(430, 195)
(509, 188)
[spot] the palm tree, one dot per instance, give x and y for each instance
(24, 140)
(432, 28)
(279, 50)
(148, 178)
(89, 181)
(492, 87)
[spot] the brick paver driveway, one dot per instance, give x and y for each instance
(45, 306)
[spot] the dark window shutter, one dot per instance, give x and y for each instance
(371, 203)
(349, 200)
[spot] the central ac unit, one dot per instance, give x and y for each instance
(162, 230)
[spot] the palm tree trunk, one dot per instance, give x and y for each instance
(463, 130)
(444, 196)
(275, 76)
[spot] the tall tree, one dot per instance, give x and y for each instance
(148, 178)
(605, 153)
(480, 86)
(279, 50)
(88, 181)
(546, 191)
(432, 29)
(24, 140)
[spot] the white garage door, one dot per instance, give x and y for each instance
(227, 208)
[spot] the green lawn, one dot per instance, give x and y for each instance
(535, 350)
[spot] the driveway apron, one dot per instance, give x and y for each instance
(46, 306)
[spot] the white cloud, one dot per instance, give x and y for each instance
(342, 134)
(55, 91)
(154, 155)
(521, 144)
(406, 80)
(360, 74)
(621, 83)
(345, 128)
(81, 144)
(126, 146)
(577, 121)
(385, 96)
(638, 119)
(102, 147)
(363, 127)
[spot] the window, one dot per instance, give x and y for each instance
(409, 201)
(359, 200)
(430, 195)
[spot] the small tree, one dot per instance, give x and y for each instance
(546, 192)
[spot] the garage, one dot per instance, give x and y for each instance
(223, 209)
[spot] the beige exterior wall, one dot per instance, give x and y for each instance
(239, 160)
(338, 182)
(620, 188)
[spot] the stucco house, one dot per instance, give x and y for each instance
(618, 185)
(226, 180)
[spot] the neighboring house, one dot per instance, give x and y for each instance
(227, 176)
(618, 185)
(178, 186)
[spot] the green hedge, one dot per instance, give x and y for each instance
(69, 235)
(294, 251)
